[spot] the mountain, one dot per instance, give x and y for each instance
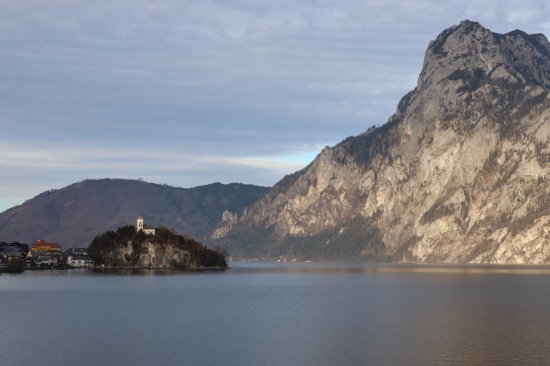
(460, 172)
(74, 215)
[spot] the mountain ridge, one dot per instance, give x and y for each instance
(457, 174)
(75, 214)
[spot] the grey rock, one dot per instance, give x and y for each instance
(460, 173)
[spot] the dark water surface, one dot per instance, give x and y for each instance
(279, 314)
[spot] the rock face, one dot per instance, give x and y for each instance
(150, 254)
(127, 248)
(229, 219)
(460, 173)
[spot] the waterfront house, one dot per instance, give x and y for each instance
(80, 261)
(45, 261)
(12, 252)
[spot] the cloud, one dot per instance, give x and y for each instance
(33, 165)
(213, 90)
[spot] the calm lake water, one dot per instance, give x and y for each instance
(279, 314)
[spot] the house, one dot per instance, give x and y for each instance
(78, 257)
(13, 249)
(76, 251)
(147, 229)
(12, 252)
(80, 261)
(45, 261)
(44, 246)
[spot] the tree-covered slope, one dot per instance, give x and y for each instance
(126, 248)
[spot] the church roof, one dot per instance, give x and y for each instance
(140, 217)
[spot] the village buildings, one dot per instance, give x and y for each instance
(43, 255)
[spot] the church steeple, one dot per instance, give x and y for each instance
(139, 223)
(147, 229)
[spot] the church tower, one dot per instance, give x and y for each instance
(139, 223)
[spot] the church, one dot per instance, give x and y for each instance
(147, 229)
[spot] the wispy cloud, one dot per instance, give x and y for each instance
(190, 92)
(56, 163)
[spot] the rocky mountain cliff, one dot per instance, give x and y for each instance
(74, 215)
(460, 173)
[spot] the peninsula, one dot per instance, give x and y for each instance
(145, 247)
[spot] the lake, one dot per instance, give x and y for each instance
(279, 314)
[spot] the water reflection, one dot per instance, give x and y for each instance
(152, 271)
(389, 268)
(273, 314)
(305, 268)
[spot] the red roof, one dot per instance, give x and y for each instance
(44, 242)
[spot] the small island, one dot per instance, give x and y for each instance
(128, 247)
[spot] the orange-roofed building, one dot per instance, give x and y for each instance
(44, 246)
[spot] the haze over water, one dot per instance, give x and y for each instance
(279, 314)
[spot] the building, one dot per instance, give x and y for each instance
(80, 261)
(147, 229)
(12, 251)
(45, 261)
(78, 257)
(76, 251)
(44, 246)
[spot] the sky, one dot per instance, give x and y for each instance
(188, 93)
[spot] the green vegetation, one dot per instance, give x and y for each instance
(439, 43)
(357, 240)
(377, 143)
(472, 79)
(436, 212)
